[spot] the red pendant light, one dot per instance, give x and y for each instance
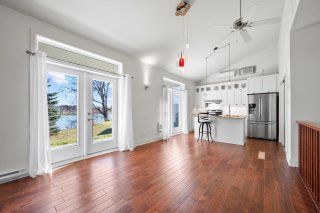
(181, 61)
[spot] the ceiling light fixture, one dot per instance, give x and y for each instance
(182, 10)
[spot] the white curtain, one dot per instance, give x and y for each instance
(125, 124)
(165, 114)
(184, 112)
(39, 155)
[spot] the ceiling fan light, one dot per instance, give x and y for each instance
(245, 36)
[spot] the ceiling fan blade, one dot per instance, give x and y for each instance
(245, 36)
(251, 12)
(266, 22)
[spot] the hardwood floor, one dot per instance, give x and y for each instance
(179, 175)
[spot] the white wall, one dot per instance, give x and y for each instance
(299, 65)
(288, 16)
(266, 62)
(14, 85)
(305, 76)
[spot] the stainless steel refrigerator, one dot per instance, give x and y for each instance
(263, 115)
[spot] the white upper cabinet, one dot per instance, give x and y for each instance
(224, 94)
(270, 83)
(216, 92)
(231, 95)
(263, 84)
(234, 94)
(209, 95)
(237, 94)
(202, 97)
(244, 93)
(254, 85)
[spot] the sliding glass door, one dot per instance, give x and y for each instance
(82, 110)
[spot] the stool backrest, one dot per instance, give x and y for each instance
(204, 116)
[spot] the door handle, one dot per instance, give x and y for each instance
(90, 119)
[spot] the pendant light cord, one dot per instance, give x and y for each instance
(206, 73)
(229, 61)
(240, 9)
(188, 29)
(183, 34)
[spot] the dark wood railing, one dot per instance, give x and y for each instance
(309, 157)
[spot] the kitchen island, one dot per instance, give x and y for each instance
(225, 129)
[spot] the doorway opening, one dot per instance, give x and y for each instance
(176, 106)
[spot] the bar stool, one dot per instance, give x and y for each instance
(203, 119)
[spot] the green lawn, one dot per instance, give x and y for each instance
(69, 136)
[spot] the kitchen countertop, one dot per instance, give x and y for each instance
(223, 116)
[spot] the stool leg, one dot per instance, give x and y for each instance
(202, 130)
(199, 132)
(210, 133)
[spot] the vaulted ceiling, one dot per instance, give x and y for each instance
(148, 29)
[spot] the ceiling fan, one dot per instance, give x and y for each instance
(243, 23)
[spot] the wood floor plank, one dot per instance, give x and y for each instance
(180, 175)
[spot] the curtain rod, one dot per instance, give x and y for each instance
(33, 53)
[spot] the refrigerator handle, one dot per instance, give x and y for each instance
(261, 107)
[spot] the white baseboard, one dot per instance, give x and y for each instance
(294, 163)
(291, 161)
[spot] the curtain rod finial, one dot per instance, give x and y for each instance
(29, 52)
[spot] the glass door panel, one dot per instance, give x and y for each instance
(176, 112)
(102, 113)
(101, 122)
(64, 104)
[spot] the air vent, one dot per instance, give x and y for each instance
(247, 70)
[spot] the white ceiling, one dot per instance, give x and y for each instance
(307, 14)
(147, 29)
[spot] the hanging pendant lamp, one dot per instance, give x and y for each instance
(181, 61)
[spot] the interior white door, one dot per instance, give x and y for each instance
(65, 107)
(102, 114)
